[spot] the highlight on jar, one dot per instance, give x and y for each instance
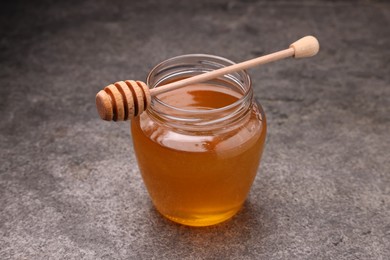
(198, 132)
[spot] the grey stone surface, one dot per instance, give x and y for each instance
(69, 184)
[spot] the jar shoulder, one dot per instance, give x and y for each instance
(248, 131)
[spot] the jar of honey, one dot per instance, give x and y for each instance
(199, 147)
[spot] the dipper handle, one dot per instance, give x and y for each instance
(127, 99)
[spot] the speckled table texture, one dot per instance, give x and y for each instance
(70, 187)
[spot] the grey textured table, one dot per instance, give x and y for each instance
(69, 184)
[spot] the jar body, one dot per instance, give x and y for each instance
(199, 176)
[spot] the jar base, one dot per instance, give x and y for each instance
(202, 220)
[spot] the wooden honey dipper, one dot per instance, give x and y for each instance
(124, 100)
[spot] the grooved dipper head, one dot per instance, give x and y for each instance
(122, 100)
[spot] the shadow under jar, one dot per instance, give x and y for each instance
(199, 147)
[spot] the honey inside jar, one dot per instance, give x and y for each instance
(199, 174)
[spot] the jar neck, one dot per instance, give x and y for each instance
(200, 119)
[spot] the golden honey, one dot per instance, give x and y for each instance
(198, 149)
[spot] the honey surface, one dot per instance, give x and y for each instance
(198, 178)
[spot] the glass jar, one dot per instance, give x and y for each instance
(199, 147)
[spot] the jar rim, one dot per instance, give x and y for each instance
(185, 65)
(247, 92)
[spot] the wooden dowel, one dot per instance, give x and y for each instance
(304, 47)
(223, 71)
